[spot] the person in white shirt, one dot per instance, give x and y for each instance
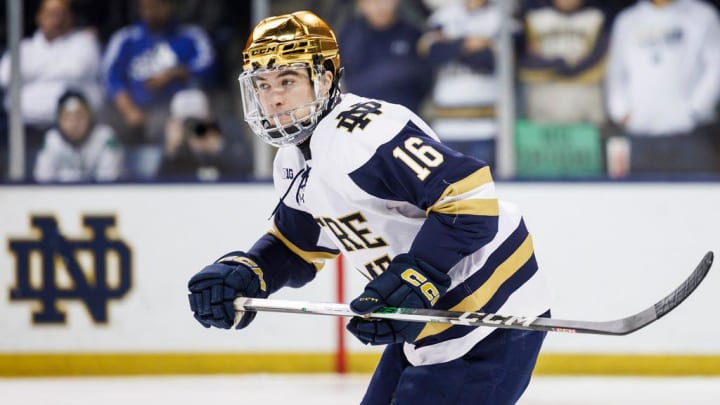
(78, 149)
(57, 57)
(459, 44)
(663, 80)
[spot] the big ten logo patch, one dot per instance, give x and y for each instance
(51, 267)
(357, 115)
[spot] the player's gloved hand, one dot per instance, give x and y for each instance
(214, 288)
(408, 282)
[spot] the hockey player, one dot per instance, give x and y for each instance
(369, 179)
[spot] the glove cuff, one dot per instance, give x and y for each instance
(428, 269)
(242, 259)
(237, 257)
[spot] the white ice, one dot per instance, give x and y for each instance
(324, 389)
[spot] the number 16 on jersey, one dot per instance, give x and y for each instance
(418, 157)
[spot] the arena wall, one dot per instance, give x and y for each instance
(608, 249)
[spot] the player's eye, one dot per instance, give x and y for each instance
(288, 82)
(263, 86)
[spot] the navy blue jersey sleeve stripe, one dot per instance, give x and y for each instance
(511, 285)
(480, 277)
(445, 239)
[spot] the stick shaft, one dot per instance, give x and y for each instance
(621, 326)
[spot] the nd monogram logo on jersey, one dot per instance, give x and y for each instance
(42, 262)
(357, 116)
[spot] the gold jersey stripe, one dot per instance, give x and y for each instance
(475, 180)
(482, 295)
(488, 207)
(315, 258)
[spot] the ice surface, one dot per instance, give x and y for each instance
(325, 389)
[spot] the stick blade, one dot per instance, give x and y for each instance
(674, 299)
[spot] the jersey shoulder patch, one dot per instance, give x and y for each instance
(358, 115)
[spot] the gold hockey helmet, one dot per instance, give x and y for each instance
(298, 37)
(290, 41)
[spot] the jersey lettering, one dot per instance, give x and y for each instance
(361, 232)
(377, 266)
(341, 234)
(352, 236)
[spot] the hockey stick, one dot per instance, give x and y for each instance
(621, 326)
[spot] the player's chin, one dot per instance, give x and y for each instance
(285, 123)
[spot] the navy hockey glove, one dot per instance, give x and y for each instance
(214, 288)
(408, 282)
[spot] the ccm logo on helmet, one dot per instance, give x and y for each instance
(428, 289)
(263, 51)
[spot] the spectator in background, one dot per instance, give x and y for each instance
(562, 61)
(56, 58)
(197, 146)
(78, 149)
(459, 44)
(378, 47)
(227, 23)
(663, 83)
(145, 65)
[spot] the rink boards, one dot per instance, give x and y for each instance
(94, 279)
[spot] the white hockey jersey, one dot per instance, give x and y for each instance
(378, 183)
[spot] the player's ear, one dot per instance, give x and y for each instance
(326, 80)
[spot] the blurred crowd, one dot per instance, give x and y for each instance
(145, 90)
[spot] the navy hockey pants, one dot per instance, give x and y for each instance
(495, 372)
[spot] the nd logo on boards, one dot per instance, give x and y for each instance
(54, 267)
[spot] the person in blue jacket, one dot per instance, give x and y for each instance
(146, 63)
